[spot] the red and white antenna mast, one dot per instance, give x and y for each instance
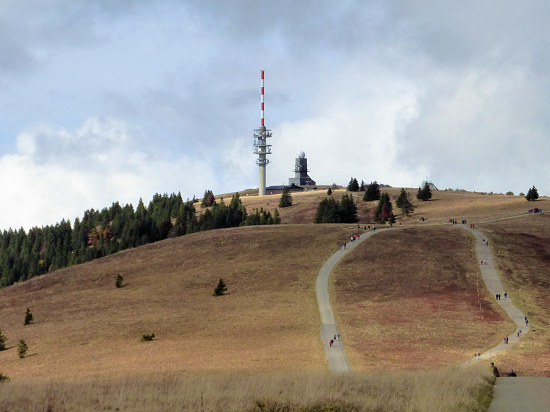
(261, 148)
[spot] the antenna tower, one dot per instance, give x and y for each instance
(261, 148)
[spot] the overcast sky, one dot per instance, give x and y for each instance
(116, 100)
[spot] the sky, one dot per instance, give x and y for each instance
(104, 101)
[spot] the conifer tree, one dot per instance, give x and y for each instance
(384, 208)
(119, 281)
(286, 198)
(28, 317)
(372, 192)
(424, 192)
(403, 202)
(22, 348)
(353, 185)
(220, 289)
(532, 194)
(3, 340)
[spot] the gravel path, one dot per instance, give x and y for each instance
(336, 355)
(528, 394)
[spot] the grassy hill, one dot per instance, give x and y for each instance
(408, 298)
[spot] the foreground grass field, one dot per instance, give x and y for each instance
(409, 298)
(462, 390)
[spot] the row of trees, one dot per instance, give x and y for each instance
(100, 233)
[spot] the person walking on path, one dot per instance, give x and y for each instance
(495, 370)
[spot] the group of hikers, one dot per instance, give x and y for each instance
(331, 342)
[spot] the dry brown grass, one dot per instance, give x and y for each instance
(443, 206)
(408, 299)
(463, 390)
(268, 321)
(522, 253)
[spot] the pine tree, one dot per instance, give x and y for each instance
(353, 185)
(532, 194)
(28, 317)
(276, 217)
(286, 198)
(22, 348)
(220, 289)
(3, 340)
(348, 209)
(384, 208)
(362, 186)
(372, 192)
(119, 281)
(403, 202)
(424, 192)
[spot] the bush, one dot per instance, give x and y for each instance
(329, 191)
(119, 281)
(220, 289)
(28, 317)
(510, 193)
(147, 338)
(22, 348)
(3, 377)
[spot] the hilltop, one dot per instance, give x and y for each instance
(269, 321)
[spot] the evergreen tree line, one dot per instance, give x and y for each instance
(100, 233)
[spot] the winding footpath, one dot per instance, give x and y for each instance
(510, 394)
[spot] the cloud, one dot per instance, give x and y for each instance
(66, 172)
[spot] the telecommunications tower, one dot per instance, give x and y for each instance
(261, 148)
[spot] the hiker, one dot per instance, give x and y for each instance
(334, 338)
(512, 373)
(478, 355)
(526, 321)
(495, 370)
(338, 337)
(330, 343)
(505, 295)
(344, 245)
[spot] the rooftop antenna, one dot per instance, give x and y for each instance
(261, 148)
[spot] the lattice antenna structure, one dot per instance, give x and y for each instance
(261, 148)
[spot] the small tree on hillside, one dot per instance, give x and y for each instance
(328, 211)
(22, 348)
(119, 281)
(362, 186)
(220, 289)
(28, 317)
(348, 209)
(286, 198)
(353, 185)
(372, 192)
(404, 203)
(276, 217)
(384, 208)
(532, 194)
(329, 191)
(208, 199)
(3, 340)
(3, 377)
(424, 192)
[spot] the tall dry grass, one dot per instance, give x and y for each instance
(463, 389)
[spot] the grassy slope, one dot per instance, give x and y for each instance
(269, 320)
(522, 247)
(84, 326)
(408, 299)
